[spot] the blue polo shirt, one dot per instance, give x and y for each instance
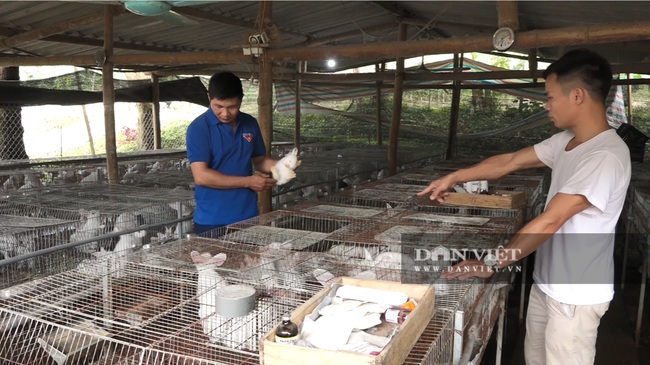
(211, 141)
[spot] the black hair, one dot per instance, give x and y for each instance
(225, 85)
(592, 70)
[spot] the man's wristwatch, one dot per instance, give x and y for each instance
(491, 261)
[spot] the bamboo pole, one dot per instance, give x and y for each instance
(379, 68)
(629, 102)
(108, 92)
(194, 58)
(397, 106)
(532, 64)
(264, 101)
(574, 35)
(155, 101)
(299, 71)
(508, 14)
(452, 138)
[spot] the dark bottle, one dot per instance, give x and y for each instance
(287, 331)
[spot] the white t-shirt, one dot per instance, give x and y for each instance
(576, 265)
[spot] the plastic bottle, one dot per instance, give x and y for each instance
(287, 331)
(396, 315)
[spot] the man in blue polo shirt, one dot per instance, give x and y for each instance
(221, 144)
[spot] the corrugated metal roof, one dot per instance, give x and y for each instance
(301, 21)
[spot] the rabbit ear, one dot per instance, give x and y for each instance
(218, 259)
(294, 151)
(197, 257)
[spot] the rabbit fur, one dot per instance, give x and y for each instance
(283, 171)
(208, 283)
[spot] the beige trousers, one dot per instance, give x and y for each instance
(558, 333)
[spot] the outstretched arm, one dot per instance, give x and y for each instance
(489, 169)
(559, 210)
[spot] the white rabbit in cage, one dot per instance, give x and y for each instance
(126, 220)
(208, 283)
(120, 256)
(276, 267)
(129, 241)
(92, 227)
(283, 171)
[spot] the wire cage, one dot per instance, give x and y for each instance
(296, 230)
(47, 218)
(166, 179)
(363, 211)
(153, 312)
(510, 220)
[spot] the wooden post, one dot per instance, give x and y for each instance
(508, 14)
(108, 93)
(265, 102)
(155, 101)
(629, 101)
(397, 106)
(452, 138)
(379, 68)
(532, 63)
(299, 72)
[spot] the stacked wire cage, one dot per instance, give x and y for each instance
(151, 309)
(531, 185)
(145, 307)
(61, 226)
(430, 224)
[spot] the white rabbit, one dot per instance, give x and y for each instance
(122, 249)
(129, 241)
(91, 228)
(283, 171)
(208, 283)
(161, 237)
(126, 220)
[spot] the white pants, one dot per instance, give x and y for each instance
(558, 333)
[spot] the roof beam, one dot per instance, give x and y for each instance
(448, 25)
(218, 18)
(575, 35)
(62, 38)
(405, 16)
(60, 27)
(100, 43)
(568, 36)
(350, 34)
(391, 8)
(508, 14)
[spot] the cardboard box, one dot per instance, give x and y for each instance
(272, 353)
(496, 199)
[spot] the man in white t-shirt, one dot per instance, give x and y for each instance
(574, 236)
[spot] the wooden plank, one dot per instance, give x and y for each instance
(504, 199)
(395, 352)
